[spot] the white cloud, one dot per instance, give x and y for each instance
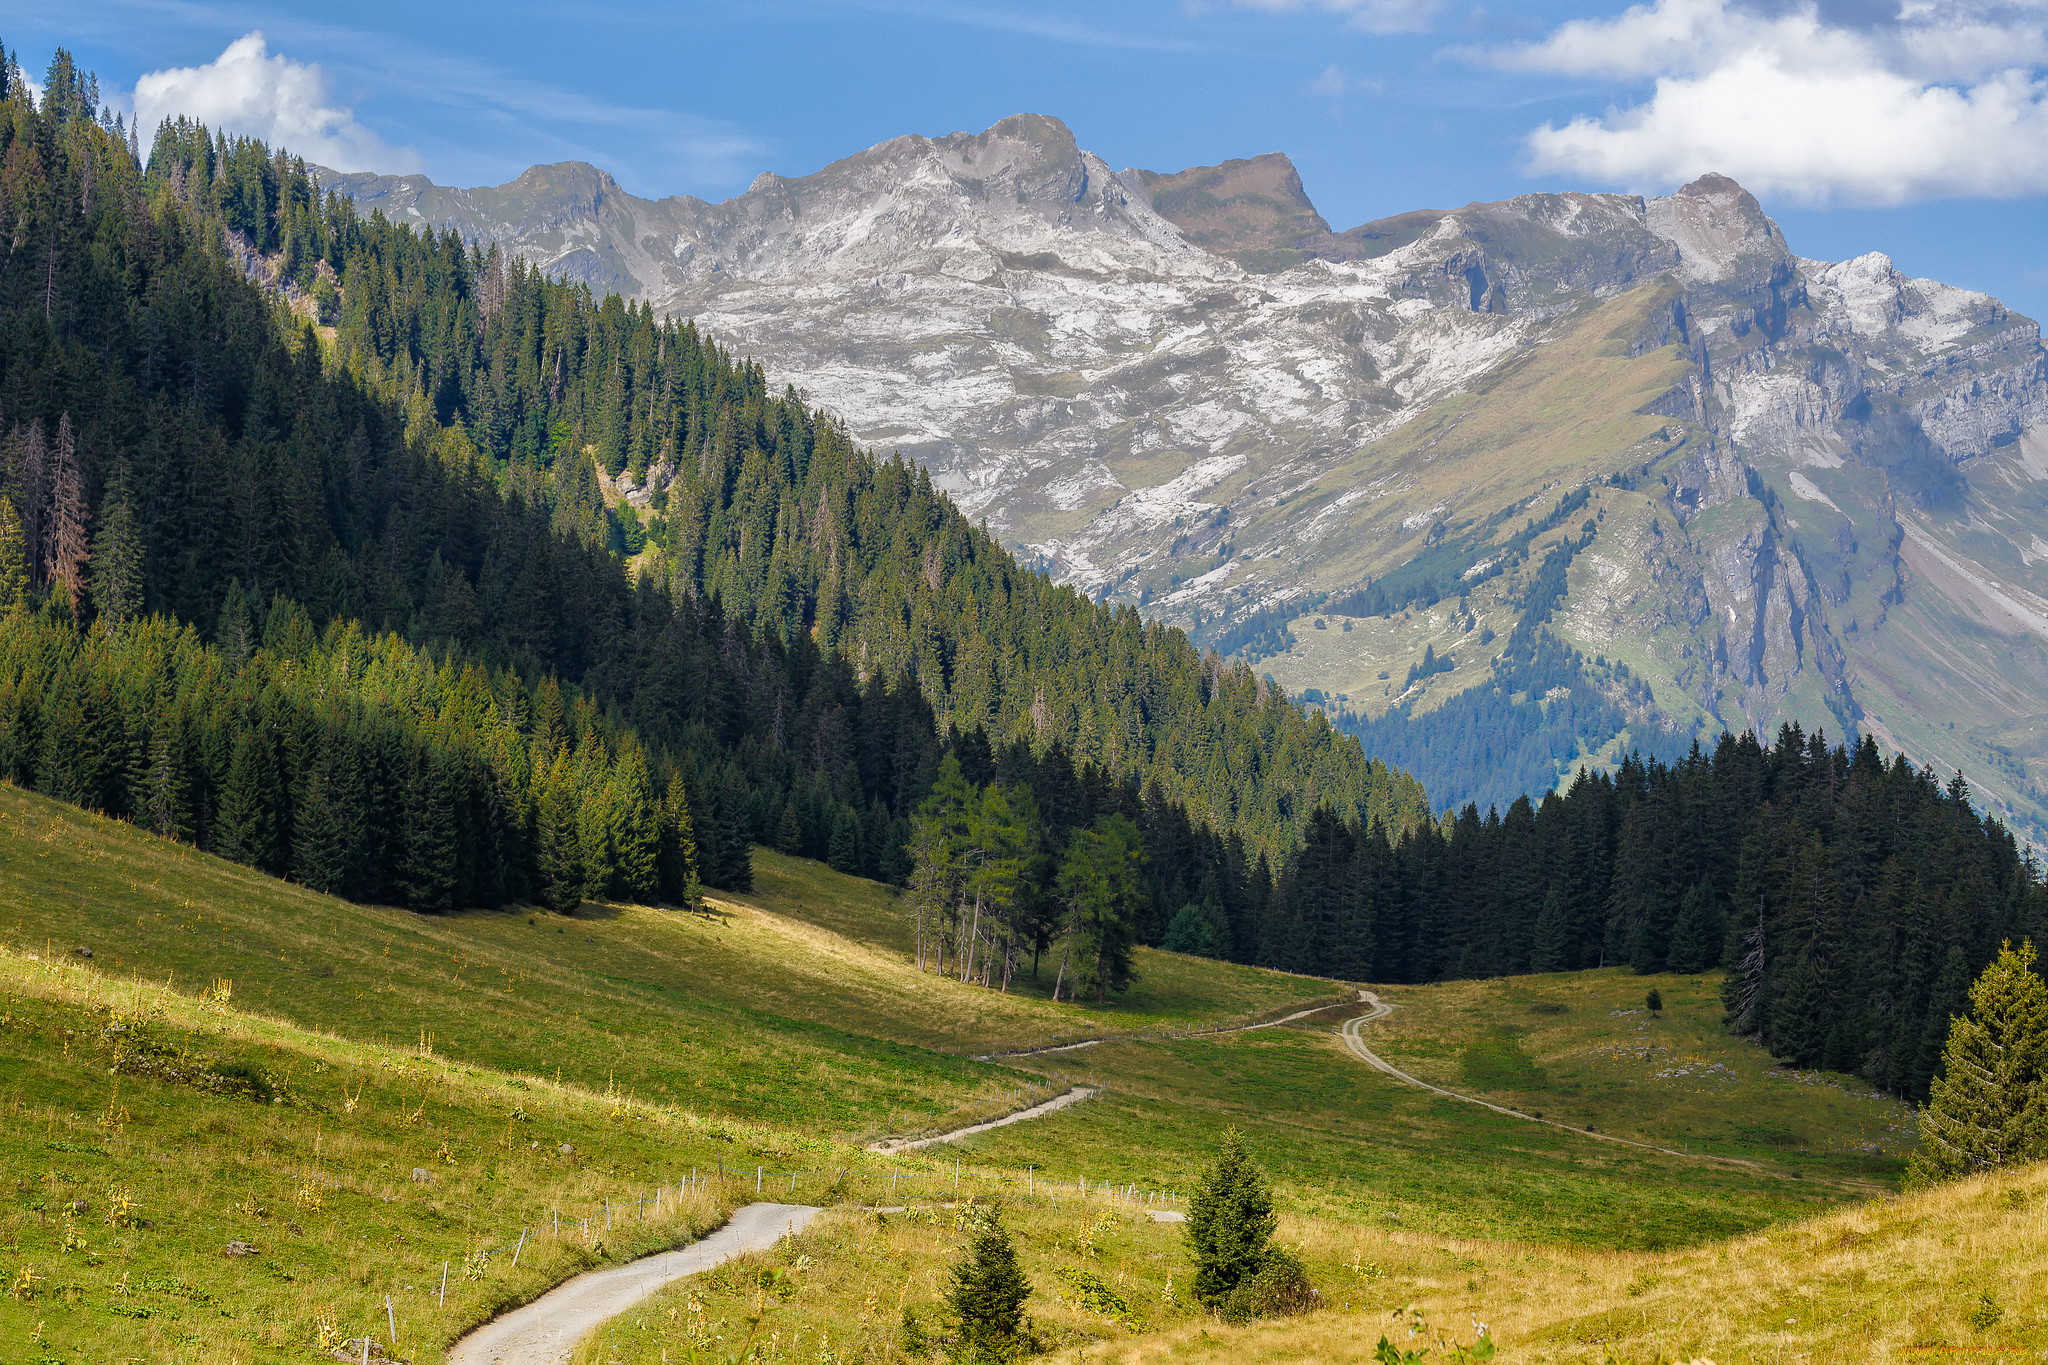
(1945, 100)
(286, 103)
(1374, 16)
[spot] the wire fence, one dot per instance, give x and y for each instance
(861, 1187)
(891, 1189)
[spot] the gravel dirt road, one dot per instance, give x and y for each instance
(545, 1331)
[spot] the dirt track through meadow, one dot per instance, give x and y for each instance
(545, 1331)
(1354, 1039)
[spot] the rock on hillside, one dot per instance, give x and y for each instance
(1816, 490)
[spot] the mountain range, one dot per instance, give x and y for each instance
(1742, 487)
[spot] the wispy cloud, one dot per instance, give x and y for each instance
(529, 119)
(543, 120)
(1334, 84)
(1372, 16)
(1028, 23)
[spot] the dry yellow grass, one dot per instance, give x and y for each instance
(1958, 1270)
(839, 1290)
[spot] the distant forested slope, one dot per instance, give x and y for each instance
(1541, 711)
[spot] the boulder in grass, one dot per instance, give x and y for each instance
(422, 1176)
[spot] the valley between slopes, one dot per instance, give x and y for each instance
(120, 1097)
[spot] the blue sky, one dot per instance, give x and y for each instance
(1920, 130)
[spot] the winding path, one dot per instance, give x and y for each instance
(1354, 1039)
(545, 1331)
(892, 1146)
(1196, 1033)
(1351, 1031)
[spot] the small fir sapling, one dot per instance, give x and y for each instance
(987, 1298)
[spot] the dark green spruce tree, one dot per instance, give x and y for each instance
(1697, 935)
(1230, 1222)
(427, 864)
(245, 824)
(987, 1299)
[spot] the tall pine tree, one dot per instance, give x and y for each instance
(988, 1294)
(1989, 1106)
(245, 826)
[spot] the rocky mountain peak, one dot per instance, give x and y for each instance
(1714, 185)
(1033, 155)
(1254, 211)
(1720, 230)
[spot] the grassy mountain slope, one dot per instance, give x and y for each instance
(1452, 496)
(1555, 415)
(434, 1045)
(1582, 1048)
(133, 1160)
(711, 1010)
(809, 978)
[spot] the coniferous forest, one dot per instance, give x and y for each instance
(1852, 901)
(382, 562)
(234, 405)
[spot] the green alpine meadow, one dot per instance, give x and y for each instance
(573, 789)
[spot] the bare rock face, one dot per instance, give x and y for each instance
(1819, 491)
(1719, 231)
(1254, 212)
